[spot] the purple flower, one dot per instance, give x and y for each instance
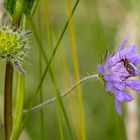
(117, 72)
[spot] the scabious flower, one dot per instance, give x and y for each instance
(117, 73)
(13, 45)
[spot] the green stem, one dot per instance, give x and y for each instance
(18, 13)
(8, 100)
(46, 70)
(42, 121)
(62, 95)
(9, 77)
(56, 47)
(80, 126)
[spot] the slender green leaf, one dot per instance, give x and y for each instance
(57, 46)
(60, 103)
(19, 103)
(81, 127)
(30, 7)
(10, 6)
(42, 113)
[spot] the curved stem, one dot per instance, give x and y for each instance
(46, 103)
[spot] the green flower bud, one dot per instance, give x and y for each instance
(14, 45)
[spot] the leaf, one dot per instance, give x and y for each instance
(19, 104)
(30, 6)
(10, 6)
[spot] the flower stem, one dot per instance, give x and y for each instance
(62, 95)
(8, 100)
(9, 78)
(18, 13)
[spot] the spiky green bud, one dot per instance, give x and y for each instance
(14, 45)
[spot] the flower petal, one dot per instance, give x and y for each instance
(137, 71)
(128, 52)
(122, 96)
(133, 84)
(123, 44)
(112, 61)
(135, 59)
(112, 78)
(18, 66)
(109, 86)
(119, 86)
(117, 73)
(118, 106)
(101, 69)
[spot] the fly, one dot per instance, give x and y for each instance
(128, 67)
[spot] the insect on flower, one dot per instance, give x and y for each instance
(117, 71)
(128, 66)
(14, 45)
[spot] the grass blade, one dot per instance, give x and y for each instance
(18, 107)
(48, 66)
(42, 51)
(57, 46)
(80, 115)
(42, 120)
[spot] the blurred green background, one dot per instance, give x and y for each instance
(97, 25)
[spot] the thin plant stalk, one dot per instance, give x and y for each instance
(81, 120)
(65, 74)
(19, 105)
(42, 124)
(8, 100)
(52, 78)
(19, 99)
(64, 94)
(48, 28)
(49, 42)
(9, 78)
(46, 70)
(57, 46)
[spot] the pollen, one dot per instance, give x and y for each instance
(14, 45)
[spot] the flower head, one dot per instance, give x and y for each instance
(13, 45)
(117, 72)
